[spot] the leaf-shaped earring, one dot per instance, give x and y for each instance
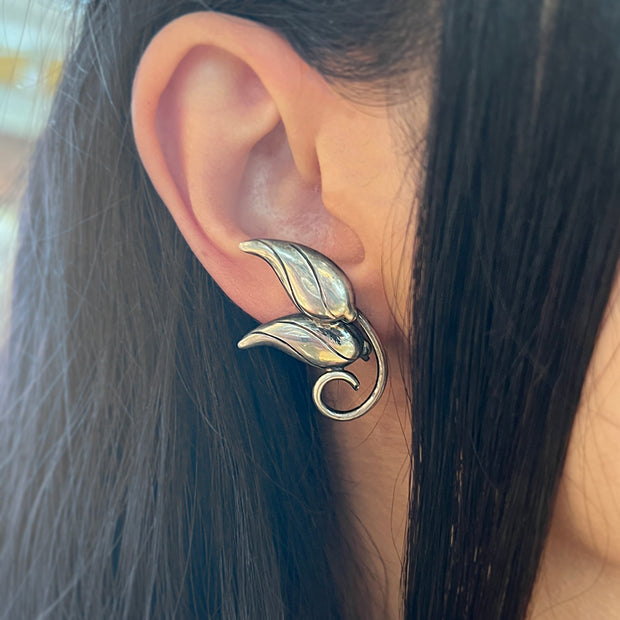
(330, 333)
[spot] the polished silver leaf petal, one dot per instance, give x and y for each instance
(315, 285)
(324, 346)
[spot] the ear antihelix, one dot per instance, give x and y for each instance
(330, 332)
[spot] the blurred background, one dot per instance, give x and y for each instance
(34, 36)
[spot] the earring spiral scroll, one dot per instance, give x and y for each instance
(329, 332)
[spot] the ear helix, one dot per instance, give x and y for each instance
(330, 332)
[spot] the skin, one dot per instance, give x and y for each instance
(242, 140)
(580, 571)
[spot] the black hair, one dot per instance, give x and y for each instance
(142, 475)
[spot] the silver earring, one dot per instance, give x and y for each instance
(330, 332)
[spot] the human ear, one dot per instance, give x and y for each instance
(242, 139)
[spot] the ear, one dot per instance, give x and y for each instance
(242, 139)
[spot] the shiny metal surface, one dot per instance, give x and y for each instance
(330, 332)
(321, 345)
(315, 285)
(351, 379)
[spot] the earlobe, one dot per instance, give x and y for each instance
(223, 124)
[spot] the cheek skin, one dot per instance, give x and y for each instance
(588, 504)
(369, 182)
(401, 223)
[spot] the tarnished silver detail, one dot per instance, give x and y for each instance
(330, 333)
(324, 345)
(315, 285)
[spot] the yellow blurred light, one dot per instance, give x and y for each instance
(51, 75)
(12, 68)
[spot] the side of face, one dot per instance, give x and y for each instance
(242, 139)
(588, 504)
